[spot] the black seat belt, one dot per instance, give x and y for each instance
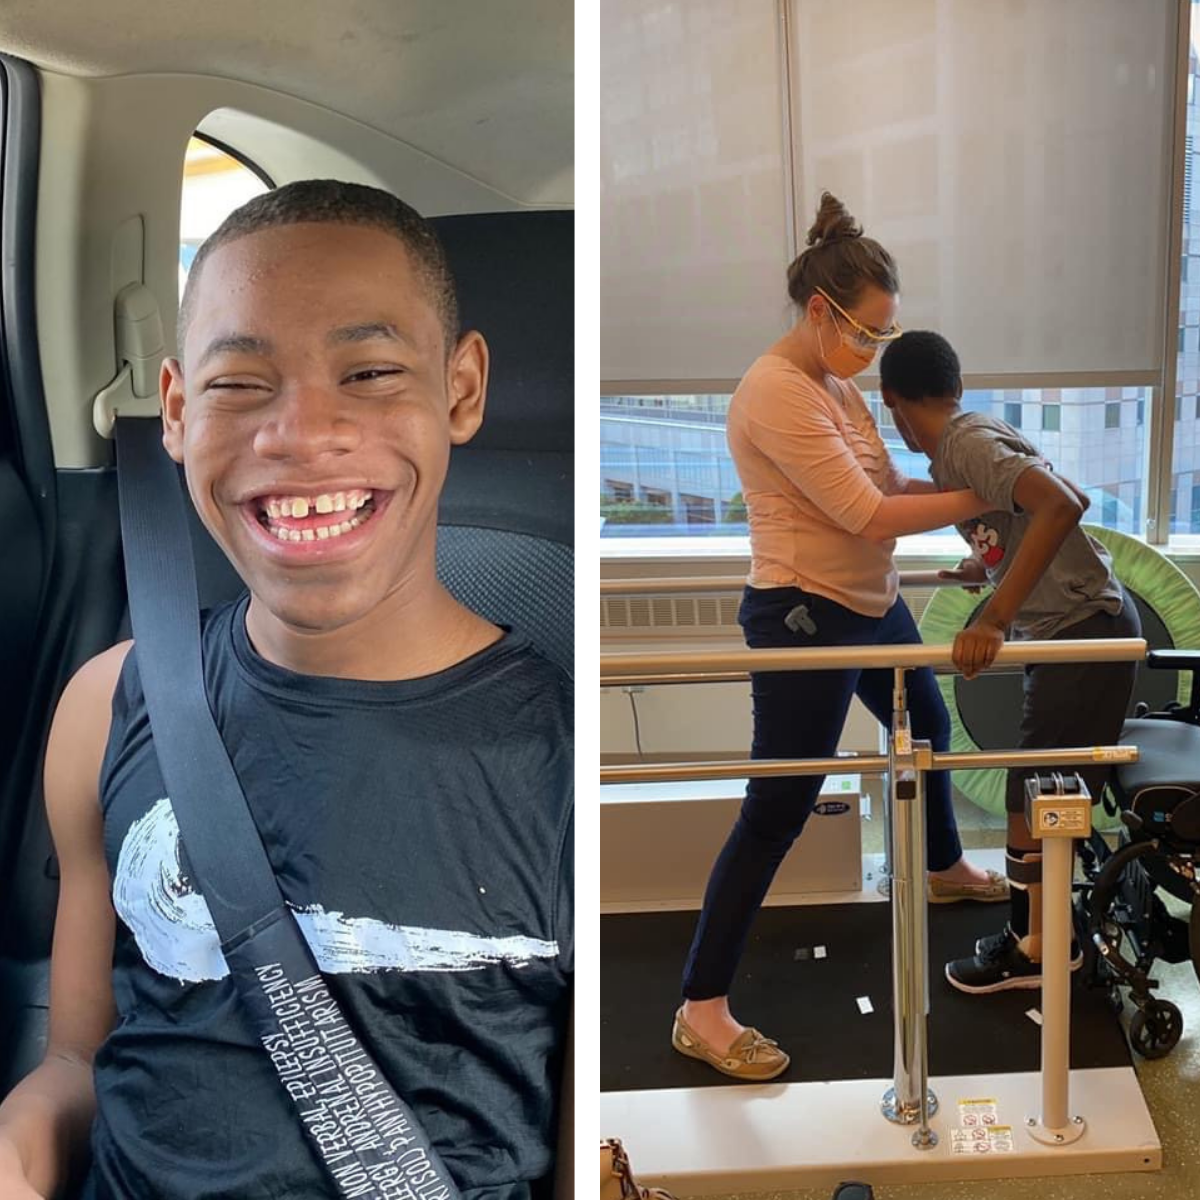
(364, 1135)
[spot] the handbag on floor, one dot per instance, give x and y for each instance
(616, 1176)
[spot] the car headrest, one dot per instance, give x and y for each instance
(515, 278)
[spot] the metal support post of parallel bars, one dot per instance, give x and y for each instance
(1058, 809)
(910, 1099)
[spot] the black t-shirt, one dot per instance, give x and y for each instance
(421, 831)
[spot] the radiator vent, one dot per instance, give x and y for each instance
(658, 613)
(695, 615)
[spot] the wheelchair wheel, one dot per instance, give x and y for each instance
(1155, 1029)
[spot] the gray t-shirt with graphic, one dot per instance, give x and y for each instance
(988, 456)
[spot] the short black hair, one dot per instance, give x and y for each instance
(920, 365)
(337, 203)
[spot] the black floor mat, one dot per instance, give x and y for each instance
(810, 1004)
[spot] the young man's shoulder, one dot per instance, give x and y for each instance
(532, 686)
(978, 438)
(86, 700)
(977, 425)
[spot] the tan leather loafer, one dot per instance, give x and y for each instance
(752, 1057)
(942, 891)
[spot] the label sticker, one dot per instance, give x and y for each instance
(818, 952)
(1070, 819)
(977, 1113)
(1000, 1139)
(865, 1006)
(832, 808)
(1111, 753)
(997, 1139)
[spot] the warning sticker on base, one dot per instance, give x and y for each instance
(973, 1113)
(996, 1139)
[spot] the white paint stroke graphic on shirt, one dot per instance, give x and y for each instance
(175, 932)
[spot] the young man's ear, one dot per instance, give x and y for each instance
(170, 388)
(889, 397)
(466, 377)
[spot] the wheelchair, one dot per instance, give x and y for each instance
(1121, 919)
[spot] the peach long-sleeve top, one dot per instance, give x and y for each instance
(813, 470)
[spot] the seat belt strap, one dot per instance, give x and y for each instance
(366, 1137)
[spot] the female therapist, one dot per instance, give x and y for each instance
(826, 504)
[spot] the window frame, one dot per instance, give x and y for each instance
(234, 153)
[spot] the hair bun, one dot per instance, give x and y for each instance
(833, 222)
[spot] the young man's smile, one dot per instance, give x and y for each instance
(315, 524)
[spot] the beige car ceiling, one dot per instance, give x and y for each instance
(455, 105)
(484, 86)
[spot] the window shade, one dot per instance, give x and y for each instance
(693, 222)
(1014, 158)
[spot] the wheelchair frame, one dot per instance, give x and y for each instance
(1121, 921)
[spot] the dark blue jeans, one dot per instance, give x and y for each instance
(800, 715)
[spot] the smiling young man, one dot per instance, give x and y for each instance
(407, 763)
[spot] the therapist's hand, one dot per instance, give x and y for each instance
(971, 573)
(976, 647)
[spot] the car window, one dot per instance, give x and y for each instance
(215, 182)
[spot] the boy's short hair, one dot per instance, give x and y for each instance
(337, 203)
(920, 365)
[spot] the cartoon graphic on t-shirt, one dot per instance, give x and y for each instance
(985, 541)
(175, 933)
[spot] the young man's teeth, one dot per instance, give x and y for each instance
(320, 533)
(326, 502)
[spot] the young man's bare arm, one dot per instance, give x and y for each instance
(45, 1121)
(1055, 509)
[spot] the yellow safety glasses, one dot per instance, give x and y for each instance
(863, 337)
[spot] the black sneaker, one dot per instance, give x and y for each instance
(999, 966)
(997, 944)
